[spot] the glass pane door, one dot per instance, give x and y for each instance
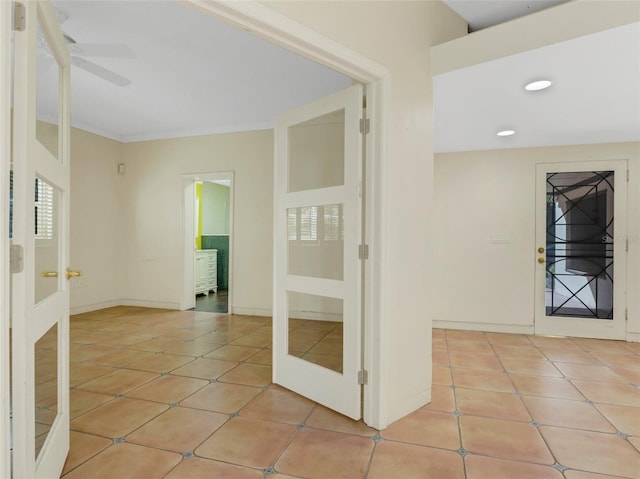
(317, 323)
(39, 288)
(581, 249)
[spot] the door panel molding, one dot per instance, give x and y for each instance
(338, 390)
(32, 321)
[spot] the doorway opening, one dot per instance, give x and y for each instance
(208, 241)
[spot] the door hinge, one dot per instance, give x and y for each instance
(627, 245)
(363, 376)
(19, 17)
(16, 258)
(365, 126)
(363, 251)
(627, 175)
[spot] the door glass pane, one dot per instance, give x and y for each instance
(316, 153)
(315, 329)
(47, 95)
(46, 384)
(47, 201)
(316, 241)
(580, 242)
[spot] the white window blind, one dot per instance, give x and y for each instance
(315, 223)
(44, 210)
(333, 222)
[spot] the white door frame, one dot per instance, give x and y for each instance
(188, 215)
(278, 29)
(5, 142)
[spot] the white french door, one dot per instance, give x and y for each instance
(317, 271)
(39, 287)
(581, 243)
(5, 153)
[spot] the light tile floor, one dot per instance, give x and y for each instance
(188, 395)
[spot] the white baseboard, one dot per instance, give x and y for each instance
(316, 316)
(633, 337)
(311, 315)
(94, 307)
(399, 409)
(149, 304)
(159, 305)
(486, 327)
(123, 302)
(252, 311)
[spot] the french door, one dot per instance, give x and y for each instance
(581, 243)
(5, 154)
(317, 270)
(40, 239)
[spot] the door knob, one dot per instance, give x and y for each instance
(72, 274)
(541, 250)
(49, 274)
(540, 260)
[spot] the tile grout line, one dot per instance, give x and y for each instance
(559, 467)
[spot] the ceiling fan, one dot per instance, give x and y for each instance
(78, 52)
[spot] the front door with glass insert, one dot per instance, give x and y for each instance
(581, 249)
(317, 293)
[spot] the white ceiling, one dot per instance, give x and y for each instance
(482, 13)
(594, 98)
(194, 75)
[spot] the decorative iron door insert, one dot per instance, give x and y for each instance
(579, 245)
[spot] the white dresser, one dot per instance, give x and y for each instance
(206, 271)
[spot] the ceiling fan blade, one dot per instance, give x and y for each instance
(102, 72)
(101, 50)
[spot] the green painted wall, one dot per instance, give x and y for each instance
(214, 229)
(221, 243)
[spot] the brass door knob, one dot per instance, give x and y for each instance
(49, 274)
(541, 250)
(540, 260)
(72, 274)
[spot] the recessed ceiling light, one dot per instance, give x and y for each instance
(506, 133)
(537, 85)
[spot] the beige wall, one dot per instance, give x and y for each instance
(152, 217)
(96, 221)
(490, 194)
(127, 230)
